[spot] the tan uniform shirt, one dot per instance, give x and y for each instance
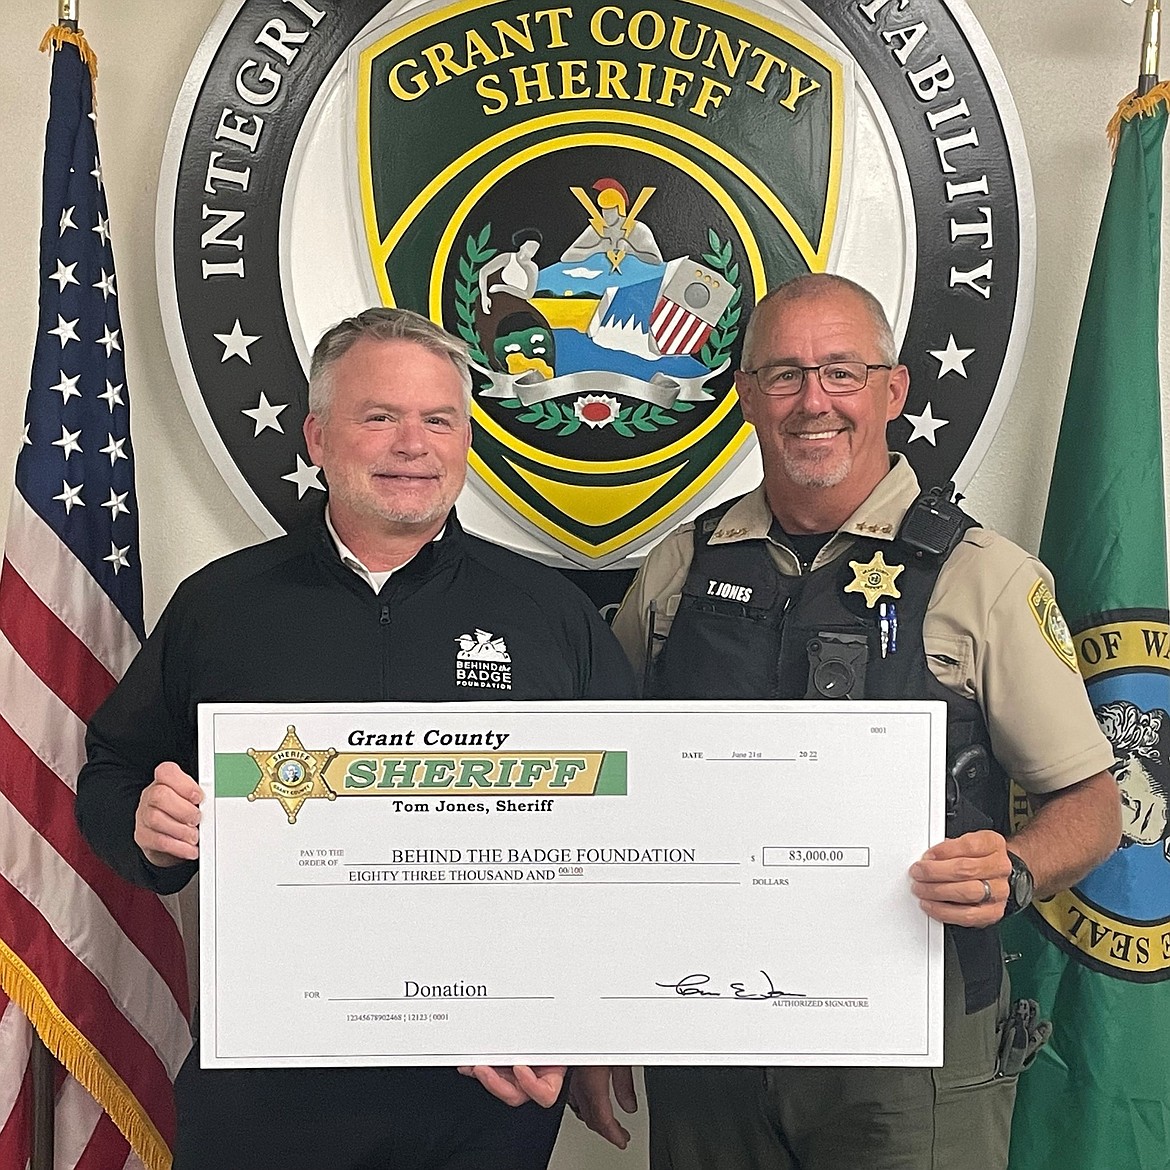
(983, 639)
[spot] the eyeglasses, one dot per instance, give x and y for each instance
(784, 381)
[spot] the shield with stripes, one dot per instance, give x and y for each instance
(690, 303)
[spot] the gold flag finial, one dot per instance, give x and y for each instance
(67, 12)
(1150, 92)
(1151, 43)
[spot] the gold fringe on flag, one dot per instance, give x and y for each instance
(1134, 106)
(59, 35)
(83, 1060)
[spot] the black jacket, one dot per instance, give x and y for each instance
(286, 621)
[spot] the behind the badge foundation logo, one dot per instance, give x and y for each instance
(483, 661)
(292, 774)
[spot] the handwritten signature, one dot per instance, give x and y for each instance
(697, 984)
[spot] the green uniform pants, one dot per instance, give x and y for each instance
(957, 1117)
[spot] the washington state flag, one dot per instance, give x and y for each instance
(1097, 957)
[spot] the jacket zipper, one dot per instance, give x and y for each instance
(384, 622)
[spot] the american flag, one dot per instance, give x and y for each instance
(96, 964)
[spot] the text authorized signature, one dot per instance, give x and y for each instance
(698, 984)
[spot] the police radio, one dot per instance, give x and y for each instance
(934, 523)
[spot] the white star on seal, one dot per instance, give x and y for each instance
(114, 449)
(70, 496)
(112, 396)
(235, 343)
(265, 414)
(305, 477)
(64, 275)
(110, 340)
(925, 424)
(66, 330)
(117, 557)
(951, 360)
(68, 442)
(67, 387)
(117, 504)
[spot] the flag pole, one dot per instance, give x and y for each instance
(41, 1061)
(1151, 42)
(44, 1070)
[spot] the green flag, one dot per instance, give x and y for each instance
(1097, 957)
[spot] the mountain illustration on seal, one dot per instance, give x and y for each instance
(570, 336)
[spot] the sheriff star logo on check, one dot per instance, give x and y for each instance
(291, 774)
(875, 579)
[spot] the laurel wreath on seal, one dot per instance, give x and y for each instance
(551, 415)
(723, 336)
(477, 252)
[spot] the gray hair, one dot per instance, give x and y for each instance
(380, 324)
(815, 284)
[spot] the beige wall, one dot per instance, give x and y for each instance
(1067, 65)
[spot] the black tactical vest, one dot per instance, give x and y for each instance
(743, 630)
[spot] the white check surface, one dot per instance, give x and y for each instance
(745, 901)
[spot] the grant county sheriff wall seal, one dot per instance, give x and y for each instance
(1117, 920)
(594, 196)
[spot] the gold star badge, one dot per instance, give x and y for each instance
(875, 579)
(292, 774)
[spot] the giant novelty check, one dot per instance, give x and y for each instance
(569, 883)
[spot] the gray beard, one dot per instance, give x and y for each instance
(805, 474)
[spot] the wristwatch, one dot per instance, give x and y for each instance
(1021, 886)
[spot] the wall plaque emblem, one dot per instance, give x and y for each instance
(594, 197)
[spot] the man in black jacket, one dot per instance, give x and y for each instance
(372, 603)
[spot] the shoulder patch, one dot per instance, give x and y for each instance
(1052, 624)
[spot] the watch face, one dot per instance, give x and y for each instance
(1021, 885)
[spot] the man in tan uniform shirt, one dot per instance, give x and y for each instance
(820, 382)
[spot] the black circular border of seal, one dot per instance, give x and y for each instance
(206, 307)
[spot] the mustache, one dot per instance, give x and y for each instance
(418, 470)
(814, 422)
